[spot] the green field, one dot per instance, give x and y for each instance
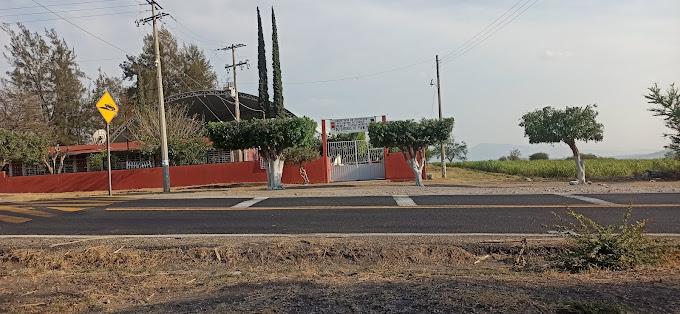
(595, 168)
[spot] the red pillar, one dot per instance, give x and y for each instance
(385, 151)
(324, 153)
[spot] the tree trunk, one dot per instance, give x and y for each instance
(580, 164)
(417, 169)
(303, 174)
(274, 173)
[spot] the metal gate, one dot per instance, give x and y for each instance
(355, 161)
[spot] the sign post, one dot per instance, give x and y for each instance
(108, 109)
(351, 125)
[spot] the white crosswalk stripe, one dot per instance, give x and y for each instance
(403, 200)
(248, 203)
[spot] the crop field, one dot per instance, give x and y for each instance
(595, 168)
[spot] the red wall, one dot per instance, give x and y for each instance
(242, 172)
(396, 169)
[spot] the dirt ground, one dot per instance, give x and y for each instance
(460, 181)
(317, 274)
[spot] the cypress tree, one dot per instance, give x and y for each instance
(263, 89)
(276, 64)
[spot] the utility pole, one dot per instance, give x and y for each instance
(232, 67)
(439, 97)
(165, 160)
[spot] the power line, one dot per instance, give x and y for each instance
(80, 28)
(480, 32)
(72, 10)
(55, 5)
(79, 16)
(494, 31)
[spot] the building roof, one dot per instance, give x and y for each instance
(90, 149)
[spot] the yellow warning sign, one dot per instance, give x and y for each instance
(107, 107)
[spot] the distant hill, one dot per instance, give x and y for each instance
(654, 155)
(493, 151)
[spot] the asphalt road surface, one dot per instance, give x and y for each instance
(528, 214)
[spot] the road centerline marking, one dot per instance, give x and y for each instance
(13, 219)
(403, 200)
(24, 211)
(251, 202)
(591, 200)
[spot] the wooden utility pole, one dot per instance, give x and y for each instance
(232, 67)
(439, 97)
(165, 160)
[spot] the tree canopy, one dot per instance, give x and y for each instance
(21, 146)
(668, 107)
(550, 125)
(270, 136)
(43, 66)
(185, 68)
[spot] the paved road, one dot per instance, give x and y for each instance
(375, 214)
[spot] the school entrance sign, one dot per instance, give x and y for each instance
(350, 125)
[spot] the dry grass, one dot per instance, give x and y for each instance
(439, 274)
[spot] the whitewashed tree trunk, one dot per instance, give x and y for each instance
(580, 169)
(580, 163)
(274, 173)
(417, 171)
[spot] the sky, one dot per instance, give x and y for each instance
(357, 58)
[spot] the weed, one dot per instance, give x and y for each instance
(613, 247)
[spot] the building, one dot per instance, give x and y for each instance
(210, 106)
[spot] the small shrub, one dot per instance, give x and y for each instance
(613, 247)
(539, 156)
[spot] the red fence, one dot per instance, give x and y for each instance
(396, 169)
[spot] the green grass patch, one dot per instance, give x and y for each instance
(595, 168)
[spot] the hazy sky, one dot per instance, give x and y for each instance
(557, 53)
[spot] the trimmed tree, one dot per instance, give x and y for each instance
(277, 105)
(263, 88)
(412, 138)
(668, 107)
(271, 137)
(550, 125)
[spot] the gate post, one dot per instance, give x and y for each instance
(385, 151)
(324, 153)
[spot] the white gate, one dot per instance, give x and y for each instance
(355, 161)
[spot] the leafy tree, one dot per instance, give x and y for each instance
(263, 87)
(539, 156)
(299, 156)
(270, 136)
(25, 147)
(550, 125)
(186, 144)
(276, 65)
(668, 107)
(43, 65)
(454, 150)
(184, 69)
(412, 138)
